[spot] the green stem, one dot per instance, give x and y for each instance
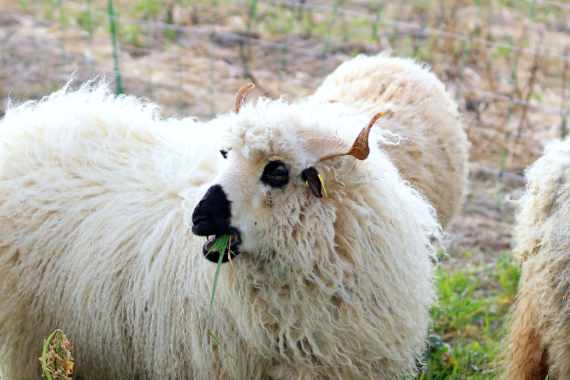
(90, 25)
(113, 29)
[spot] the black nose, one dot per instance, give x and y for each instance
(212, 214)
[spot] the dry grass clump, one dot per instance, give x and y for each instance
(57, 361)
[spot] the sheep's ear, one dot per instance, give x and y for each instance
(360, 149)
(242, 95)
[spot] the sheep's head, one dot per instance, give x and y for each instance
(272, 195)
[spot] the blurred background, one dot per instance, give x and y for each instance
(506, 62)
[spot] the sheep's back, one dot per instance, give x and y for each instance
(432, 152)
(541, 222)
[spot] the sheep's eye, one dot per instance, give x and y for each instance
(224, 153)
(275, 174)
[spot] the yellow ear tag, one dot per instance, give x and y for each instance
(325, 192)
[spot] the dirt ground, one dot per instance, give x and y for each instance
(199, 73)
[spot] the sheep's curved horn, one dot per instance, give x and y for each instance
(360, 149)
(242, 95)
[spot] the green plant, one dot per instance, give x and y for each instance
(149, 8)
(507, 274)
(251, 14)
(24, 4)
(330, 25)
(467, 327)
(56, 360)
(375, 24)
(131, 34)
(87, 20)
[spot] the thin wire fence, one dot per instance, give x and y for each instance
(508, 67)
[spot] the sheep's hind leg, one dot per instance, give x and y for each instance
(526, 356)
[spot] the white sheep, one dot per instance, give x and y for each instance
(433, 148)
(538, 341)
(97, 198)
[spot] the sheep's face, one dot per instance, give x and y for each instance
(271, 196)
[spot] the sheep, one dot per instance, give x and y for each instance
(91, 188)
(538, 339)
(103, 206)
(433, 149)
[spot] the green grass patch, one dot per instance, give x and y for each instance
(468, 322)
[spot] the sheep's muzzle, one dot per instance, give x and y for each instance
(212, 218)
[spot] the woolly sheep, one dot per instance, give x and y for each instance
(433, 148)
(538, 341)
(97, 199)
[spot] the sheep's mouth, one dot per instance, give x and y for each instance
(227, 254)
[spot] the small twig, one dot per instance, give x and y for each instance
(530, 88)
(489, 66)
(300, 10)
(245, 47)
(564, 96)
(451, 29)
(375, 31)
(247, 73)
(517, 91)
(523, 122)
(334, 15)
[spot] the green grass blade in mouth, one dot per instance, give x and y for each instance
(222, 246)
